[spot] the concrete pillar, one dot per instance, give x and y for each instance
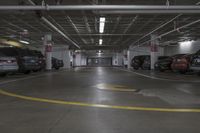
(154, 50)
(77, 58)
(66, 57)
(48, 50)
(129, 58)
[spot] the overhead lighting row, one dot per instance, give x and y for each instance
(101, 28)
(102, 24)
(25, 42)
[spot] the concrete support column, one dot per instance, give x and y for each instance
(66, 57)
(48, 50)
(129, 58)
(154, 50)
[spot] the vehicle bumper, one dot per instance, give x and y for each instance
(8, 68)
(195, 68)
(181, 67)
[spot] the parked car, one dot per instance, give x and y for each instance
(181, 63)
(195, 62)
(7, 64)
(147, 62)
(56, 63)
(165, 64)
(26, 60)
(41, 59)
(138, 61)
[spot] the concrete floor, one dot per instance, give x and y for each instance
(18, 115)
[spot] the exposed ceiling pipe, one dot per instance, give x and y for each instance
(164, 34)
(161, 26)
(54, 27)
(59, 31)
(156, 11)
(132, 8)
(171, 20)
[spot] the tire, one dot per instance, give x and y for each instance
(198, 73)
(143, 68)
(135, 68)
(182, 72)
(57, 68)
(3, 74)
(161, 70)
(27, 72)
(35, 70)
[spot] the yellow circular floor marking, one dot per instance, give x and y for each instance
(113, 87)
(180, 110)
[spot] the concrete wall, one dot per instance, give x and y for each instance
(188, 47)
(117, 59)
(62, 54)
(80, 59)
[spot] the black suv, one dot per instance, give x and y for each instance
(41, 59)
(138, 61)
(195, 62)
(147, 62)
(56, 63)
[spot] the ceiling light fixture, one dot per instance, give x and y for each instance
(25, 42)
(102, 24)
(100, 41)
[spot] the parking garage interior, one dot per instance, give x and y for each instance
(103, 66)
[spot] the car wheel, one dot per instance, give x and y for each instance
(198, 73)
(57, 68)
(143, 68)
(35, 70)
(135, 68)
(182, 72)
(2, 74)
(161, 70)
(27, 72)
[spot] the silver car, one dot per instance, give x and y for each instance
(7, 65)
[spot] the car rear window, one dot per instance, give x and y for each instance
(9, 51)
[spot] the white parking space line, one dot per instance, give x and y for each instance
(157, 78)
(30, 77)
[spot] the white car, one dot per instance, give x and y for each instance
(7, 65)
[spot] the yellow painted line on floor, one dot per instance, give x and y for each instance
(113, 87)
(180, 110)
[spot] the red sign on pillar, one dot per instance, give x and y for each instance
(48, 48)
(154, 48)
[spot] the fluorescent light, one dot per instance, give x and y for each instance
(102, 24)
(186, 46)
(25, 42)
(100, 41)
(186, 43)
